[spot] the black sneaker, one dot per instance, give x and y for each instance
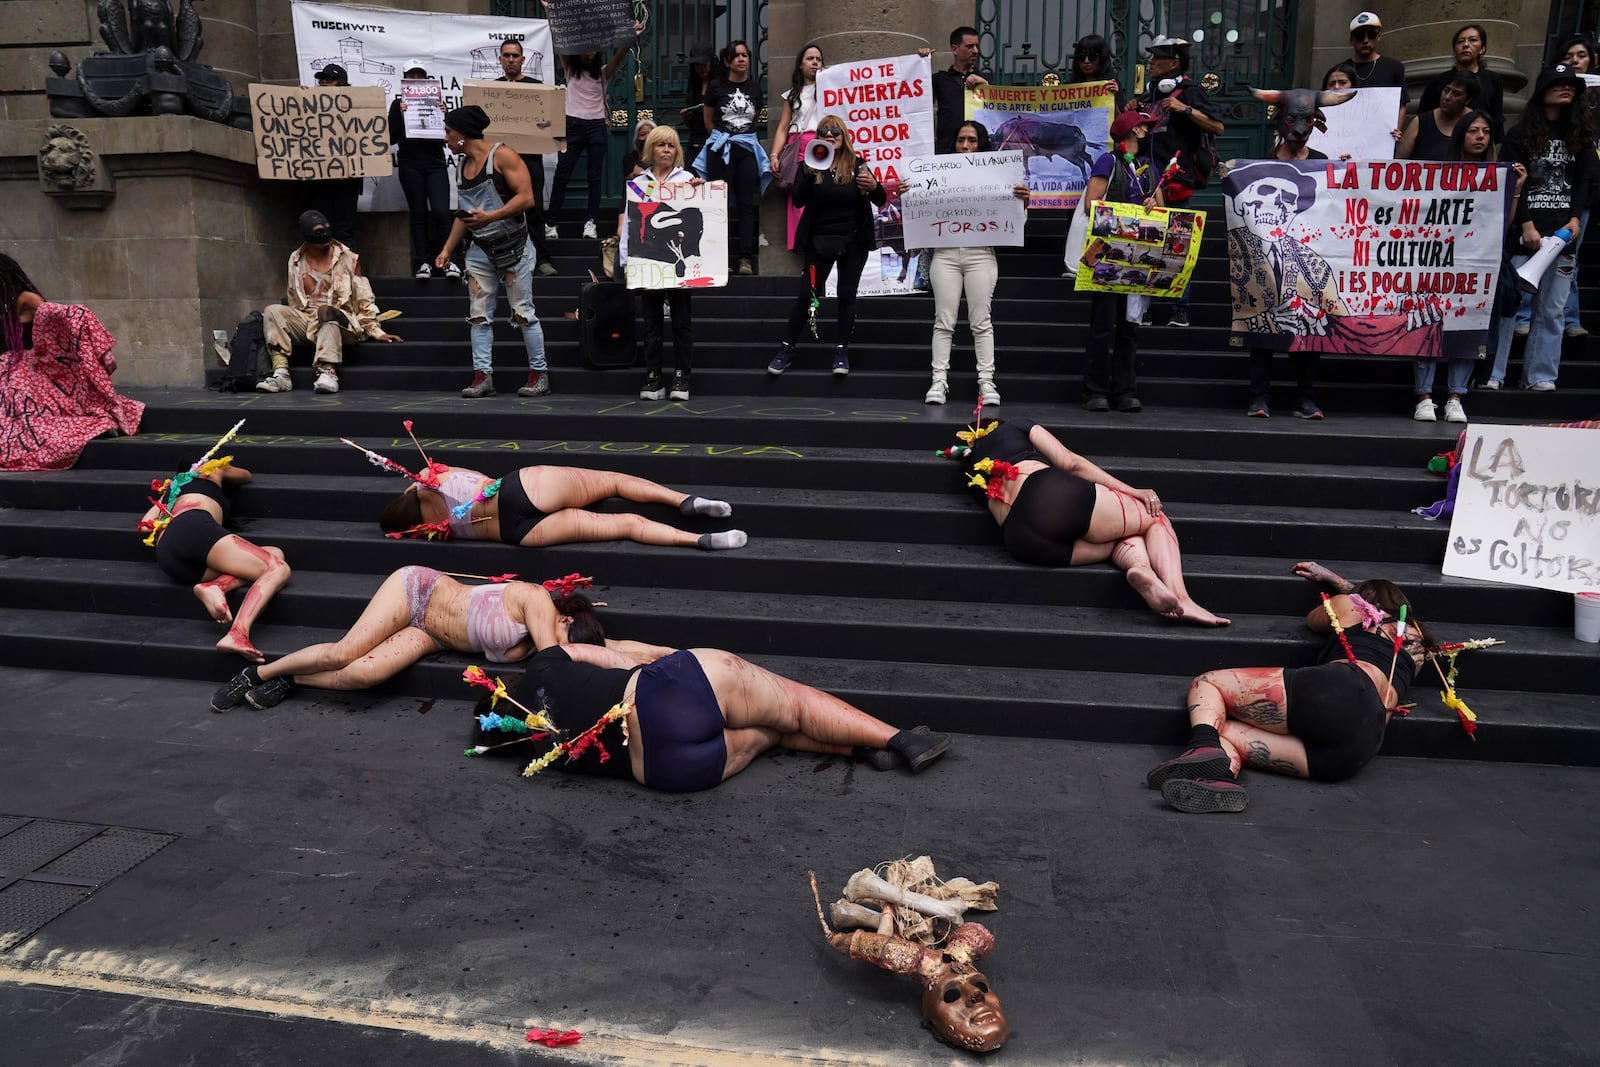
(1097, 403)
(1129, 404)
(654, 388)
(269, 694)
(1205, 762)
(918, 748)
(680, 386)
(1180, 317)
(1204, 796)
(231, 695)
(841, 360)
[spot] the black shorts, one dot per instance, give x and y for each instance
(185, 543)
(1335, 711)
(680, 725)
(518, 516)
(1050, 514)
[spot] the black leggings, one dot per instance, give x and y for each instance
(744, 187)
(584, 137)
(1050, 514)
(517, 514)
(428, 198)
(652, 302)
(850, 265)
(1335, 711)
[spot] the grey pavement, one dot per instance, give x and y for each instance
(346, 886)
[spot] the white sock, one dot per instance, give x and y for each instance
(726, 539)
(699, 505)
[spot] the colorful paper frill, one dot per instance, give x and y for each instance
(553, 1038)
(461, 511)
(590, 738)
(170, 489)
(567, 585)
(428, 531)
(1333, 617)
(1372, 616)
(1466, 716)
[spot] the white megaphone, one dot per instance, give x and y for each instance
(1531, 272)
(819, 154)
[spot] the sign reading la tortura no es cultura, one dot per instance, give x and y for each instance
(308, 134)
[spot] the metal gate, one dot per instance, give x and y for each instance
(1237, 43)
(653, 82)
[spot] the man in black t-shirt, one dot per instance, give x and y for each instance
(950, 87)
(1469, 44)
(511, 60)
(1373, 70)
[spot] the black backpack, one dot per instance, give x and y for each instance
(248, 362)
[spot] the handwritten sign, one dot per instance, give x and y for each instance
(1526, 508)
(1060, 130)
(1138, 250)
(676, 234)
(1361, 127)
(964, 200)
(424, 111)
(312, 134)
(530, 119)
(1371, 256)
(590, 25)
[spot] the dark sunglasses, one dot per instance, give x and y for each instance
(1364, 35)
(830, 131)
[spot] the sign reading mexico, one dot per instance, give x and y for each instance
(1371, 256)
(676, 234)
(1526, 508)
(310, 134)
(1059, 129)
(887, 104)
(965, 200)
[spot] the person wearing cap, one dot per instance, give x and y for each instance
(1469, 44)
(334, 197)
(512, 59)
(702, 60)
(329, 304)
(1372, 70)
(1186, 115)
(1123, 175)
(1558, 148)
(424, 178)
(494, 192)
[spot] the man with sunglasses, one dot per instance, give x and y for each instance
(1373, 70)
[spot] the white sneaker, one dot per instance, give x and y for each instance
(937, 392)
(1543, 387)
(1521, 329)
(453, 272)
(1425, 412)
(550, 232)
(1491, 384)
(425, 271)
(277, 382)
(988, 393)
(589, 230)
(1453, 411)
(327, 380)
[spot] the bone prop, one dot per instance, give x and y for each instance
(864, 885)
(847, 915)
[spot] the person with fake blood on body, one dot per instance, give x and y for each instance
(1057, 509)
(194, 549)
(694, 718)
(495, 192)
(539, 506)
(1324, 722)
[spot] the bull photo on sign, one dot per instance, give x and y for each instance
(677, 235)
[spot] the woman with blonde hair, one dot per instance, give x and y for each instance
(661, 160)
(835, 233)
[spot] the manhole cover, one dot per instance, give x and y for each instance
(49, 867)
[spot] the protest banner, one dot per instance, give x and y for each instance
(1060, 130)
(531, 119)
(590, 25)
(675, 234)
(965, 200)
(373, 44)
(1133, 249)
(1368, 256)
(424, 114)
(1360, 128)
(1526, 508)
(887, 105)
(312, 134)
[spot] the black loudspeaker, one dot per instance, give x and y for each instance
(606, 327)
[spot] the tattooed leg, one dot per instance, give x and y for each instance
(1265, 751)
(1254, 695)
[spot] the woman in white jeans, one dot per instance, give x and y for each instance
(973, 270)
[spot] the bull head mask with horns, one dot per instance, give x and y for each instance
(1300, 110)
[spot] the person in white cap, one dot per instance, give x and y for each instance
(1373, 70)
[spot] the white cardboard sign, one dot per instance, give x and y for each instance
(963, 200)
(1361, 127)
